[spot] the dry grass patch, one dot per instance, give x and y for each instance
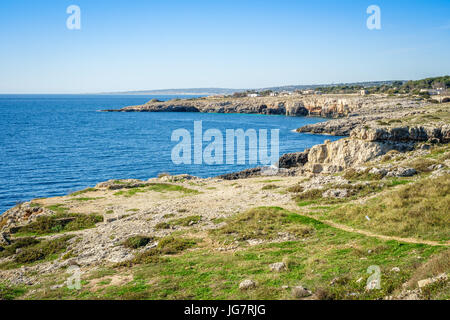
(438, 264)
(61, 222)
(136, 242)
(417, 209)
(263, 223)
(166, 246)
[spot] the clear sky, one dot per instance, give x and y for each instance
(157, 44)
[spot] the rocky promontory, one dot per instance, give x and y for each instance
(329, 105)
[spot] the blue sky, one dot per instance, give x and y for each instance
(138, 45)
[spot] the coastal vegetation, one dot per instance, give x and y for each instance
(32, 250)
(393, 87)
(60, 222)
(328, 261)
(419, 210)
(375, 200)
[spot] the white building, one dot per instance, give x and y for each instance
(431, 92)
(252, 95)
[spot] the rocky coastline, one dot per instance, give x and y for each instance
(351, 196)
(327, 105)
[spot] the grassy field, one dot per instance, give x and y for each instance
(331, 262)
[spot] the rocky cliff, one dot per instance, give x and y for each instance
(372, 136)
(294, 105)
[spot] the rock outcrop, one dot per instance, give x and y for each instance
(403, 133)
(296, 159)
(336, 156)
(294, 105)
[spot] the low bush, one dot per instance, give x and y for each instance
(60, 223)
(17, 244)
(42, 250)
(262, 223)
(136, 242)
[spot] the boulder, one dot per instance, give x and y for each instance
(345, 153)
(253, 172)
(247, 284)
(402, 172)
(296, 159)
(278, 267)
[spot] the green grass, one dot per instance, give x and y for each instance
(10, 292)
(86, 199)
(173, 272)
(58, 208)
(157, 187)
(77, 193)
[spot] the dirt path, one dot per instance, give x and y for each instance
(368, 233)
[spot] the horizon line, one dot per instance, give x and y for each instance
(198, 88)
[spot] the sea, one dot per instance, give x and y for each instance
(52, 145)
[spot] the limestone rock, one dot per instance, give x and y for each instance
(278, 267)
(342, 154)
(404, 133)
(402, 172)
(247, 284)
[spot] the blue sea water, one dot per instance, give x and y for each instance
(51, 145)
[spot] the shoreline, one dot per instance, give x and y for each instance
(335, 204)
(210, 175)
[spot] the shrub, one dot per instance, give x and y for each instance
(137, 241)
(17, 244)
(172, 245)
(270, 187)
(60, 223)
(296, 189)
(42, 250)
(8, 292)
